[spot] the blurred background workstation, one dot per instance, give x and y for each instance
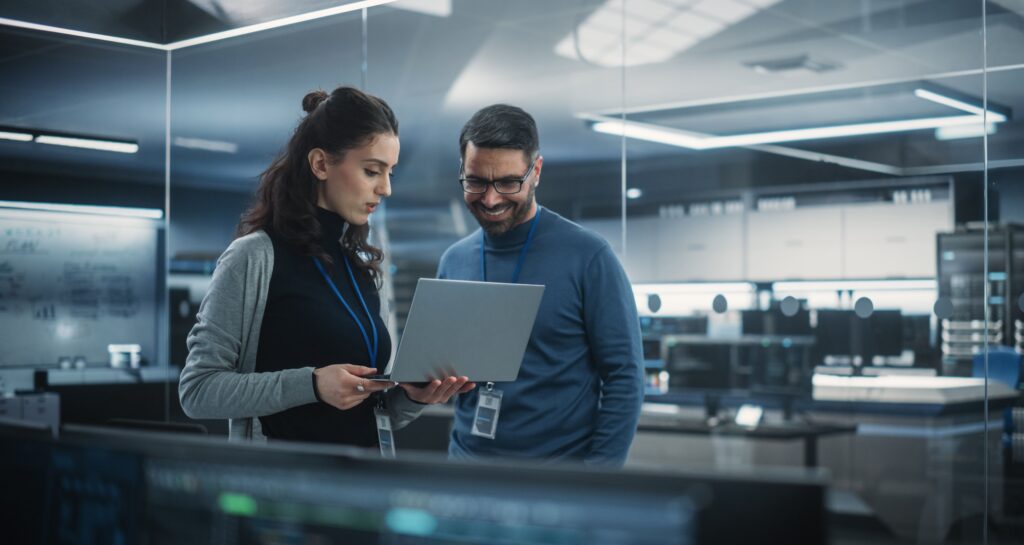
(818, 203)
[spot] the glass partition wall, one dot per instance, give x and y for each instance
(794, 169)
(82, 225)
(996, 290)
(235, 103)
(460, 58)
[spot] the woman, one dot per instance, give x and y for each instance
(292, 320)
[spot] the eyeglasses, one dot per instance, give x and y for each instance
(505, 186)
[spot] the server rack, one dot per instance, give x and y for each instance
(962, 283)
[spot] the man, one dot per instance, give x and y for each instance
(580, 387)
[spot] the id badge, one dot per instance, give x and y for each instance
(384, 434)
(488, 407)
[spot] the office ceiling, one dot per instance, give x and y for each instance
(435, 70)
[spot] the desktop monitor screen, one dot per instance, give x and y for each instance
(835, 331)
(131, 487)
(886, 333)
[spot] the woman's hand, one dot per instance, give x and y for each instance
(341, 387)
(438, 390)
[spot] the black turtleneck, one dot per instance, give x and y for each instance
(304, 325)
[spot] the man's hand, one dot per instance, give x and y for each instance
(341, 387)
(438, 390)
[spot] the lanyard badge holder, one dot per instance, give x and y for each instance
(488, 408)
(385, 435)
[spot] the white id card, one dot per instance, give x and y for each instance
(384, 435)
(488, 407)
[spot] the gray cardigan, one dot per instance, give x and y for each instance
(219, 378)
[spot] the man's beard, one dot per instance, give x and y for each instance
(499, 228)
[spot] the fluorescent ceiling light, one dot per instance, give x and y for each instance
(277, 23)
(80, 34)
(664, 135)
(855, 285)
(994, 117)
(217, 146)
(148, 213)
(16, 136)
(651, 133)
(694, 288)
(437, 8)
(88, 143)
(696, 25)
(241, 31)
(697, 141)
(655, 31)
(729, 11)
(965, 131)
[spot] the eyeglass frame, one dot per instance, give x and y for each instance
(522, 180)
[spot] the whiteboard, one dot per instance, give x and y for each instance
(70, 284)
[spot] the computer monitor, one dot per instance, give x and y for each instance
(668, 325)
(843, 333)
(132, 487)
(775, 322)
(886, 333)
(834, 332)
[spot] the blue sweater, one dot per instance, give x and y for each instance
(580, 386)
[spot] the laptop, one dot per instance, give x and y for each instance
(459, 328)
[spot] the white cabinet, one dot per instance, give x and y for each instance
(641, 239)
(643, 243)
(851, 241)
(608, 229)
(801, 244)
(892, 241)
(700, 248)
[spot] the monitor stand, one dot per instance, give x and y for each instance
(711, 407)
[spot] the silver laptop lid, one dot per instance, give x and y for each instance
(461, 328)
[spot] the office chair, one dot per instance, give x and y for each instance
(1003, 365)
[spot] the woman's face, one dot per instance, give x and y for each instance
(354, 186)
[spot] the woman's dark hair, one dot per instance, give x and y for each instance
(285, 201)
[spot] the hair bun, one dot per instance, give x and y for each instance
(312, 100)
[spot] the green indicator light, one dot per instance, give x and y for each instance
(237, 504)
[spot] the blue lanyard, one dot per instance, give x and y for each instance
(522, 253)
(372, 350)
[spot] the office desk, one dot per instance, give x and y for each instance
(807, 432)
(919, 467)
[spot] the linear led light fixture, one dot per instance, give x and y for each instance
(694, 288)
(697, 141)
(120, 211)
(856, 285)
(88, 143)
(16, 136)
(217, 36)
(965, 131)
(217, 146)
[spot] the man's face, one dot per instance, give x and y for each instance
(497, 213)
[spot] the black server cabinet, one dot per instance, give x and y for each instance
(962, 281)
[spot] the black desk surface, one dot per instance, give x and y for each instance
(782, 430)
(805, 404)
